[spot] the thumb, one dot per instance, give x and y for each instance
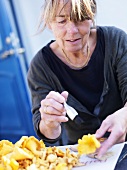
(102, 130)
(65, 94)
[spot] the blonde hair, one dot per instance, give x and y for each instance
(81, 9)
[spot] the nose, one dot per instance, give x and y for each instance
(72, 28)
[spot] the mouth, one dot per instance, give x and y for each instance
(73, 40)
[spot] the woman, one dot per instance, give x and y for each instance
(86, 66)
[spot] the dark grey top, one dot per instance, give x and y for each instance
(41, 80)
(85, 84)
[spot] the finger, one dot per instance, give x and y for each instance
(56, 96)
(53, 106)
(105, 126)
(52, 111)
(104, 148)
(65, 94)
(54, 118)
(114, 138)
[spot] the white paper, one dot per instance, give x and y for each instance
(91, 163)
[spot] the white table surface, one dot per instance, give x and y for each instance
(91, 163)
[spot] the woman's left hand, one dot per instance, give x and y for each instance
(116, 124)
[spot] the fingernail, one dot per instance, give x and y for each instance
(99, 157)
(64, 113)
(96, 135)
(66, 119)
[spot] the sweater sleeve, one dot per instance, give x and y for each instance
(121, 63)
(41, 81)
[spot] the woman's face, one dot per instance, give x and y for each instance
(70, 36)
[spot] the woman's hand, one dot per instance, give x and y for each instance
(116, 124)
(52, 114)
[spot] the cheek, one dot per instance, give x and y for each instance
(85, 30)
(58, 32)
(87, 26)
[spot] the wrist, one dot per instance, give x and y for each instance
(51, 130)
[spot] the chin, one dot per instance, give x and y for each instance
(74, 50)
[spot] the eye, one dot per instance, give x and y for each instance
(62, 21)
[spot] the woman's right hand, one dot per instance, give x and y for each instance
(52, 113)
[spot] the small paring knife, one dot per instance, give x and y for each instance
(73, 114)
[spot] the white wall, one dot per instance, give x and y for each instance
(110, 12)
(28, 12)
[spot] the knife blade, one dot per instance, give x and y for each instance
(73, 114)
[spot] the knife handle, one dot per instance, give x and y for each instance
(78, 120)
